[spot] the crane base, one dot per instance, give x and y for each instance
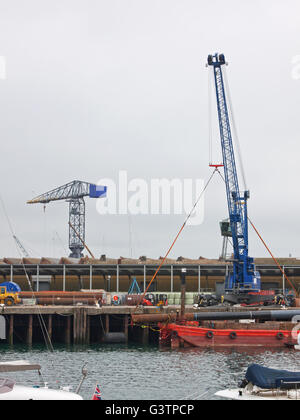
(250, 298)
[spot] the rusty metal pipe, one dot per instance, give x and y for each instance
(65, 301)
(150, 318)
(49, 295)
(272, 315)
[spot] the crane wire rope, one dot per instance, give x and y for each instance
(269, 251)
(176, 238)
(274, 259)
(29, 248)
(43, 327)
(61, 243)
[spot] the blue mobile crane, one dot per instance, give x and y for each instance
(242, 278)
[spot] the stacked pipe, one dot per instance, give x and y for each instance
(274, 315)
(63, 298)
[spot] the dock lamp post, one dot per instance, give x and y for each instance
(183, 289)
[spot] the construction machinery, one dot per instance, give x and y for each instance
(8, 298)
(242, 279)
(74, 194)
(21, 247)
(134, 287)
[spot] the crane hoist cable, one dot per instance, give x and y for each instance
(44, 330)
(269, 251)
(274, 259)
(177, 236)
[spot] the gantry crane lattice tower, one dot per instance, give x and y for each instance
(74, 194)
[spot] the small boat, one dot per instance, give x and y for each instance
(9, 390)
(262, 383)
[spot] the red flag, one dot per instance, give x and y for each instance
(97, 394)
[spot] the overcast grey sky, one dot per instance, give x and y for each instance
(98, 86)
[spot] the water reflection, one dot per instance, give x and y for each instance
(135, 372)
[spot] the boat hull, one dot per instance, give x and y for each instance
(239, 395)
(185, 335)
(23, 393)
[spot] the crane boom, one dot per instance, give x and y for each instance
(72, 190)
(244, 277)
(19, 243)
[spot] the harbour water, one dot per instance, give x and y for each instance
(128, 372)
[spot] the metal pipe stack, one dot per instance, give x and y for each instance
(272, 315)
(63, 298)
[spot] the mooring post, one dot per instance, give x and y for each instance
(50, 327)
(75, 326)
(126, 328)
(29, 330)
(84, 326)
(145, 336)
(88, 329)
(106, 324)
(11, 330)
(68, 331)
(78, 326)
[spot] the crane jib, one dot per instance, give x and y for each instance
(243, 275)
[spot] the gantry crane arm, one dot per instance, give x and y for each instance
(73, 190)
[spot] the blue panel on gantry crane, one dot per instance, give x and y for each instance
(97, 191)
